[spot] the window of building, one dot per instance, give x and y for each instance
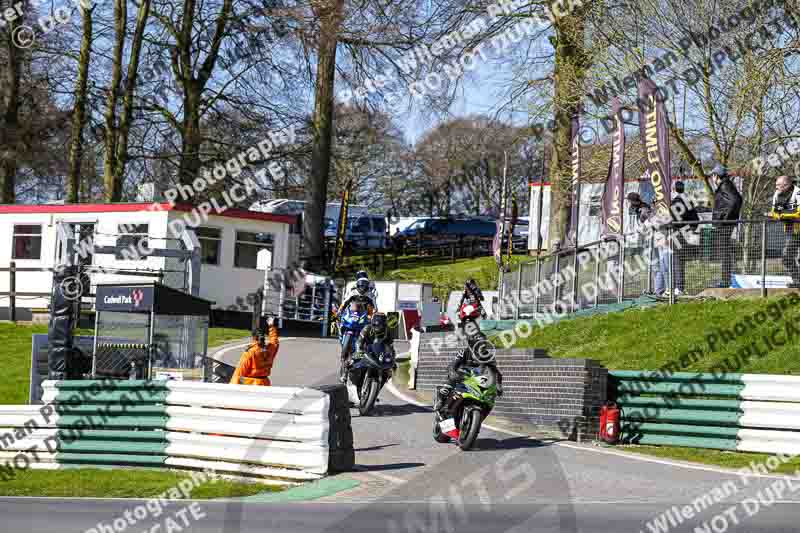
(210, 245)
(27, 242)
(249, 246)
(133, 239)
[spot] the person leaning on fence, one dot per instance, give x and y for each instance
(787, 200)
(682, 211)
(255, 366)
(727, 206)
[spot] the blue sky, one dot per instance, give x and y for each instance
(480, 93)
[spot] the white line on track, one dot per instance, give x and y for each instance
(385, 477)
(414, 401)
(632, 456)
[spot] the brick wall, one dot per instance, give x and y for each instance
(555, 396)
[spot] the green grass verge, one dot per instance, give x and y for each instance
(403, 373)
(15, 356)
(726, 459)
(119, 483)
(449, 276)
(219, 336)
(15, 359)
(647, 339)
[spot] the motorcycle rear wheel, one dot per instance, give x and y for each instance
(470, 427)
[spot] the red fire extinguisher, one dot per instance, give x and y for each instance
(609, 423)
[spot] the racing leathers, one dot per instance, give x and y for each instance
(368, 336)
(462, 360)
(357, 297)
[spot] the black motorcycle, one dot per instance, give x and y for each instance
(369, 373)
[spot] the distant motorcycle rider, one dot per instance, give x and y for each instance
(478, 353)
(361, 293)
(472, 295)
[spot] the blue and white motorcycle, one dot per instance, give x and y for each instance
(352, 321)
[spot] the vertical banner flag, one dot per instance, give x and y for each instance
(575, 143)
(654, 131)
(341, 228)
(615, 182)
(496, 245)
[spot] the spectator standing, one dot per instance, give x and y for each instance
(727, 206)
(682, 211)
(647, 215)
(787, 199)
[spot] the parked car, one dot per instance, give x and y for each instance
(454, 227)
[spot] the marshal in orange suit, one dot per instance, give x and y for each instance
(255, 366)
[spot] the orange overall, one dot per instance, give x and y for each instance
(255, 366)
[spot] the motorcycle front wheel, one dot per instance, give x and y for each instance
(470, 427)
(369, 393)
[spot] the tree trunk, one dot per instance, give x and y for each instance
(109, 163)
(569, 71)
(79, 111)
(447, 199)
(192, 136)
(121, 158)
(9, 133)
(183, 65)
(329, 13)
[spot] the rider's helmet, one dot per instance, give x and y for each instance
(471, 286)
(362, 286)
(481, 350)
(378, 324)
(361, 274)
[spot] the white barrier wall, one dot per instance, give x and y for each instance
(282, 433)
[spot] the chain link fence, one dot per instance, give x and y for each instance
(681, 259)
(179, 345)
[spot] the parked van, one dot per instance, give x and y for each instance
(366, 231)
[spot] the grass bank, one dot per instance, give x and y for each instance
(447, 276)
(119, 483)
(648, 339)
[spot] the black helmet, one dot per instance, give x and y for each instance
(474, 338)
(472, 286)
(378, 324)
(481, 349)
(361, 274)
(362, 286)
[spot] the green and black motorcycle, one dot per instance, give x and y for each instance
(468, 405)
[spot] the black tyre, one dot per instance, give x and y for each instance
(438, 436)
(470, 427)
(369, 393)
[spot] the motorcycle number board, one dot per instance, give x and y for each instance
(449, 428)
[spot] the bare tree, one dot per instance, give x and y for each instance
(79, 109)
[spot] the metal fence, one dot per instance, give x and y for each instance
(310, 301)
(666, 262)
